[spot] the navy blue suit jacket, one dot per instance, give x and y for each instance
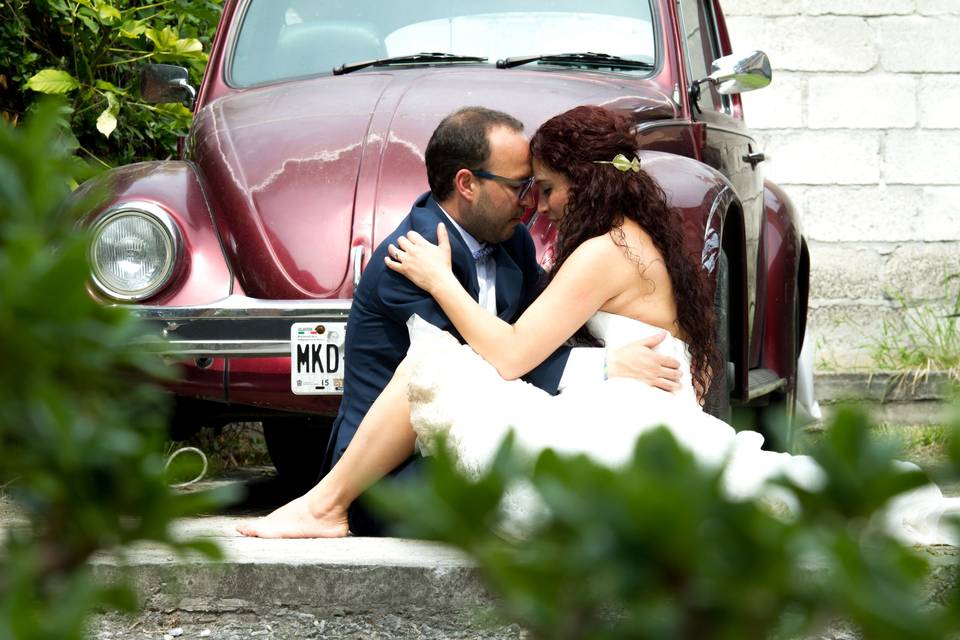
(377, 339)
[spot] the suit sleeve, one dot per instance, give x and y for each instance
(400, 299)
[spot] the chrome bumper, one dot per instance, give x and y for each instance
(236, 326)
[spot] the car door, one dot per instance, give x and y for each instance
(726, 143)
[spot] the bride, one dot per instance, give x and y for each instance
(619, 273)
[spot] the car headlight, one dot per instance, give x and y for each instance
(133, 251)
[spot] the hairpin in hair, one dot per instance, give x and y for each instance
(620, 162)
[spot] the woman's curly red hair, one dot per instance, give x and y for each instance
(600, 197)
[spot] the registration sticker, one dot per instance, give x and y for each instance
(316, 357)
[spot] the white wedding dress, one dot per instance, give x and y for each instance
(454, 392)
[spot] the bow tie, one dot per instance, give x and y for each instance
(484, 252)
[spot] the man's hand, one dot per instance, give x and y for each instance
(638, 360)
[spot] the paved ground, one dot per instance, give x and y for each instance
(346, 588)
(414, 623)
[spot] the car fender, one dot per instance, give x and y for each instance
(785, 280)
(712, 216)
(701, 195)
(203, 274)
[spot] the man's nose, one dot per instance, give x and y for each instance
(529, 200)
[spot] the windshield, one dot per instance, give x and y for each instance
(289, 38)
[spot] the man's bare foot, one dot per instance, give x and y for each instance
(299, 519)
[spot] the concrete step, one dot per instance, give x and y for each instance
(345, 588)
(339, 573)
(889, 397)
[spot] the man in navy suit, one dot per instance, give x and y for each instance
(478, 168)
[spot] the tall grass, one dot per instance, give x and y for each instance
(922, 338)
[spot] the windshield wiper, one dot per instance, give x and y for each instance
(412, 59)
(589, 59)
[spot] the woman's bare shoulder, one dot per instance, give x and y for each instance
(603, 251)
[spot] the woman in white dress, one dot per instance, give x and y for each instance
(619, 273)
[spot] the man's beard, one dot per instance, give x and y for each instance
(479, 221)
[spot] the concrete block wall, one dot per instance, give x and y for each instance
(861, 126)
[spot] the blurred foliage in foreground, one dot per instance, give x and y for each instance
(81, 434)
(657, 549)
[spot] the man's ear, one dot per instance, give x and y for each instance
(465, 185)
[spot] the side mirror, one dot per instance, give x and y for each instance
(734, 74)
(161, 83)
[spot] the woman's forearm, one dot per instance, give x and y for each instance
(495, 340)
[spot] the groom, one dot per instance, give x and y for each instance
(478, 169)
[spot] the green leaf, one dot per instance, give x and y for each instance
(133, 29)
(169, 41)
(103, 85)
(162, 40)
(108, 13)
(53, 81)
(90, 19)
(107, 122)
(188, 46)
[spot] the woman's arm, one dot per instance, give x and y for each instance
(588, 278)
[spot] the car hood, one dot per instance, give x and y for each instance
(299, 174)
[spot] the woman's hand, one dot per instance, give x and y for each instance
(425, 264)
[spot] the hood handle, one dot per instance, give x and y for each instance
(356, 256)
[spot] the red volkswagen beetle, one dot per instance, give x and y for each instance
(307, 149)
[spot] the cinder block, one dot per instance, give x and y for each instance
(940, 100)
(747, 33)
(938, 7)
(761, 7)
(845, 335)
(825, 43)
(941, 213)
(920, 44)
(841, 271)
(778, 106)
(917, 271)
(821, 157)
(865, 214)
(874, 101)
(922, 157)
(858, 7)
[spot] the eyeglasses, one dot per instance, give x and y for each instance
(520, 187)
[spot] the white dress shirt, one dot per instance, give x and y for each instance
(486, 269)
(584, 365)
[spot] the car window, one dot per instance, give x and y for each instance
(289, 38)
(703, 47)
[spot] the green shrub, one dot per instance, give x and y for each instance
(657, 550)
(81, 433)
(91, 51)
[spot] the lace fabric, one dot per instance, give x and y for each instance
(453, 391)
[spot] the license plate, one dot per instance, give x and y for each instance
(316, 358)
